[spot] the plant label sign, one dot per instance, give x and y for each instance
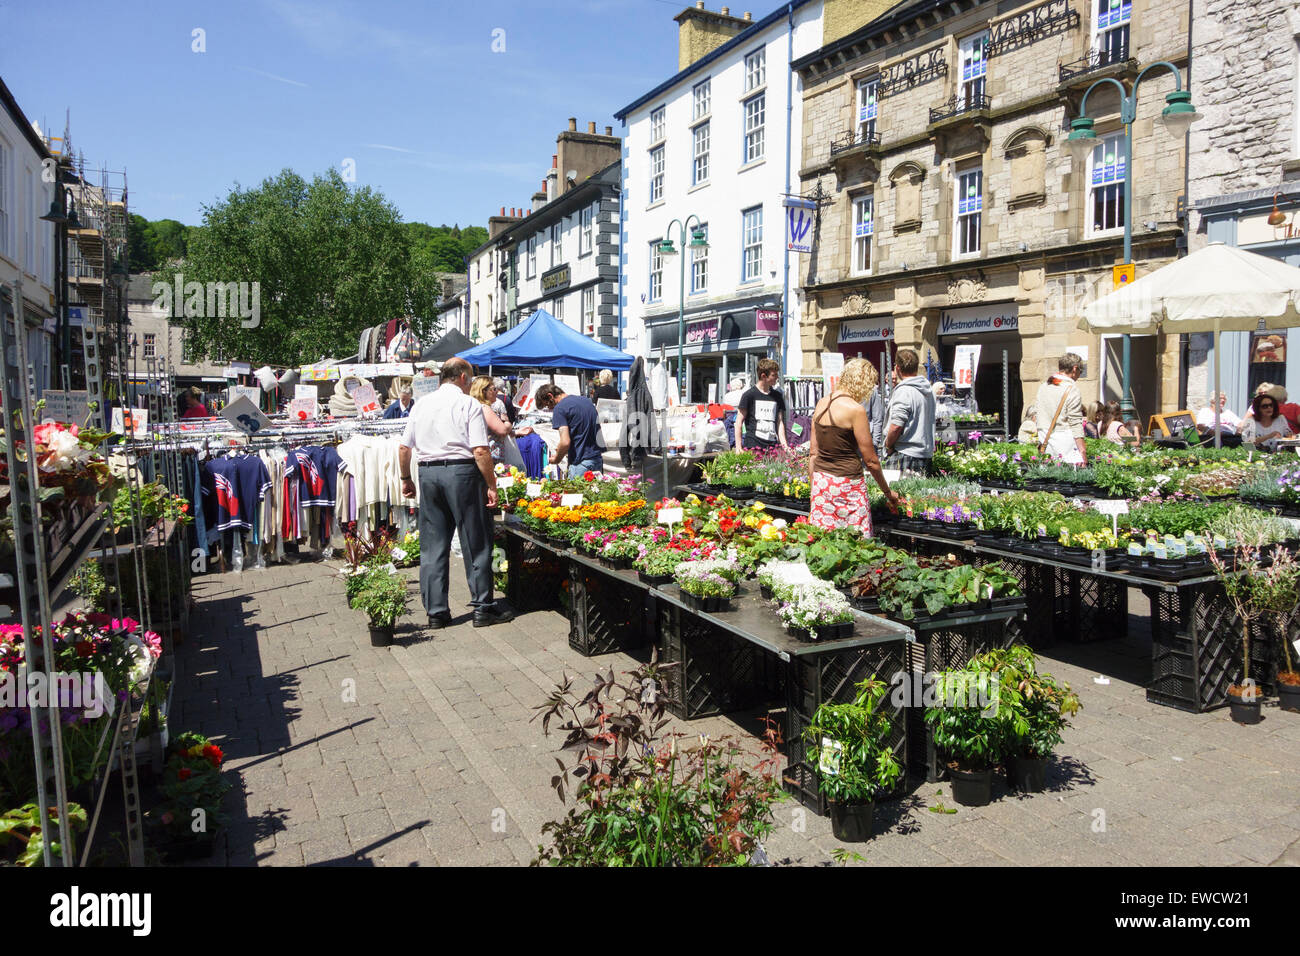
(133, 422)
(670, 516)
(828, 760)
(505, 481)
(571, 501)
(245, 416)
(534, 489)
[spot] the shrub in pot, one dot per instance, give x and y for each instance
(1033, 707)
(855, 763)
(384, 598)
(967, 733)
(817, 611)
(192, 788)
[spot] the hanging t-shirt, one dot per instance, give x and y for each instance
(318, 470)
(239, 485)
(762, 413)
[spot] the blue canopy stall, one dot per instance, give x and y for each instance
(543, 341)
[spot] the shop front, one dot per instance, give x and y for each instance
(981, 340)
(869, 338)
(716, 347)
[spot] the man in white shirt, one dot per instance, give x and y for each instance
(448, 436)
(1228, 422)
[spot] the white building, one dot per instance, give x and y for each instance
(720, 143)
(26, 241)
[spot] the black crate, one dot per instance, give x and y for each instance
(609, 614)
(1090, 608)
(536, 577)
(1037, 625)
(1196, 649)
(814, 679)
(713, 670)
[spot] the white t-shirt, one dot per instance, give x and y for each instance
(1253, 431)
(445, 425)
(1227, 421)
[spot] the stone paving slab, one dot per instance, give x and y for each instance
(426, 753)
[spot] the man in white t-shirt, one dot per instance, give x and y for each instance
(1228, 422)
(447, 434)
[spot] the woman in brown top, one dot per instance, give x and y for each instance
(841, 448)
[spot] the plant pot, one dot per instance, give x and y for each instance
(851, 821)
(655, 580)
(706, 604)
(1245, 711)
(971, 788)
(1288, 696)
(1027, 774)
(381, 636)
(826, 632)
(765, 592)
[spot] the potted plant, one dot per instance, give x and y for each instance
(21, 841)
(817, 611)
(1247, 588)
(1033, 707)
(967, 733)
(192, 789)
(384, 598)
(657, 565)
(703, 586)
(1276, 592)
(855, 763)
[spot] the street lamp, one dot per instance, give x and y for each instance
(1177, 116)
(666, 248)
(63, 214)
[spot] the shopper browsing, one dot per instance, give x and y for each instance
(192, 404)
(1060, 413)
(575, 418)
(909, 422)
(1112, 425)
(447, 435)
(761, 413)
(605, 387)
(402, 407)
(1265, 421)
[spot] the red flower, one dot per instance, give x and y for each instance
(185, 508)
(588, 476)
(184, 773)
(85, 648)
(214, 754)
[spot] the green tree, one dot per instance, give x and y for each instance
(330, 259)
(140, 251)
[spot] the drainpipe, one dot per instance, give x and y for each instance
(789, 119)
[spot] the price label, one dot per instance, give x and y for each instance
(366, 399)
(1220, 542)
(828, 761)
(1135, 549)
(505, 481)
(571, 501)
(1108, 506)
(1160, 552)
(534, 489)
(670, 515)
(302, 409)
(245, 416)
(131, 421)
(1042, 531)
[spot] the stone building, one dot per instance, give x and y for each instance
(950, 210)
(1244, 166)
(151, 335)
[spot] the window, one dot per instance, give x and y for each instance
(867, 109)
(584, 230)
(478, 265)
(752, 244)
(863, 228)
(150, 345)
(702, 97)
(755, 70)
(1110, 29)
(589, 310)
(974, 64)
(532, 256)
(656, 272)
(490, 257)
(970, 205)
(1106, 179)
(656, 175)
(656, 125)
(29, 223)
(6, 199)
(700, 160)
(557, 308)
(700, 265)
(476, 315)
(755, 115)
(556, 248)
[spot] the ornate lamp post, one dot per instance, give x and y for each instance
(666, 248)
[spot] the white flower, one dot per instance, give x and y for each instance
(399, 554)
(64, 453)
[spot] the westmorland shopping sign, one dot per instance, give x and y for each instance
(979, 319)
(799, 222)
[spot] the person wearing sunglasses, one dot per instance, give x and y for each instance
(1264, 421)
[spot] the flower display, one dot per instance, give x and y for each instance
(816, 604)
(705, 579)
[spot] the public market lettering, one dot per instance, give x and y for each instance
(1045, 20)
(912, 72)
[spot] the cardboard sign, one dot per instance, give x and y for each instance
(366, 399)
(832, 369)
(133, 422)
(254, 395)
(68, 407)
(424, 385)
(670, 515)
(245, 416)
(571, 501)
(303, 405)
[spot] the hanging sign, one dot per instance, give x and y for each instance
(767, 321)
(131, 421)
(376, 370)
(318, 373)
(366, 399)
(799, 224)
(245, 416)
(965, 365)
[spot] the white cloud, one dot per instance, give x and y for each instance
(272, 76)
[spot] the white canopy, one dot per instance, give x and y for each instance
(1218, 288)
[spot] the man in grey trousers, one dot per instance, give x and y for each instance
(448, 435)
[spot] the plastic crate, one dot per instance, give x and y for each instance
(832, 677)
(536, 577)
(714, 671)
(1196, 650)
(609, 614)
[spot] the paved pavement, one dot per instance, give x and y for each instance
(425, 754)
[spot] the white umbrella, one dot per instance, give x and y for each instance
(1215, 289)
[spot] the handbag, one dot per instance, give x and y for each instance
(1042, 445)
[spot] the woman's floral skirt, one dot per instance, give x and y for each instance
(840, 503)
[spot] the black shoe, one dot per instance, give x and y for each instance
(439, 621)
(493, 614)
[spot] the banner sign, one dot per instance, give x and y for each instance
(799, 222)
(376, 370)
(984, 318)
(965, 365)
(866, 330)
(703, 330)
(767, 321)
(319, 373)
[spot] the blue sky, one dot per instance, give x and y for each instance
(445, 128)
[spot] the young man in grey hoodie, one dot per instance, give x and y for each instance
(909, 429)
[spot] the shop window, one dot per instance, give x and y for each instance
(1026, 154)
(905, 181)
(1107, 179)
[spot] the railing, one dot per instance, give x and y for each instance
(1094, 61)
(851, 140)
(957, 105)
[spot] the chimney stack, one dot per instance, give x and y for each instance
(699, 4)
(591, 128)
(554, 160)
(609, 131)
(573, 124)
(700, 31)
(726, 11)
(503, 210)
(747, 16)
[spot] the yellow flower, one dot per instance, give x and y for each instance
(758, 506)
(692, 499)
(751, 521)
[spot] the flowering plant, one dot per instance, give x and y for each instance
(192, 787)
(784, 576)
(151, 502)
(815, 604)
(702, 579)
(956, 513)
